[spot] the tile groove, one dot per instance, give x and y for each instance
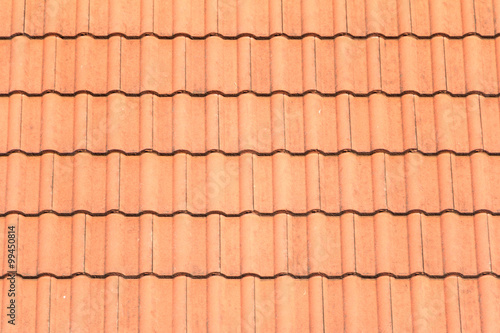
(459, 306)
(52, 183)
(86, 121)
(489, 242)
(88, 19)
(415, 121)
(411, 17)
(254, 308)
(380, 64)
(354, 242)
(21, 123)
(220, 245)
(350, 125)
(24, 17)
(323, 304)
(452, 181)
(287, 245)
(120, 72)
(481, 120)
(118, 307)
(445, 67)
(85, 242)
(390, 300)
(50, 303)
(152, 243)
(152, 122)
(421, 241)
(55, 65)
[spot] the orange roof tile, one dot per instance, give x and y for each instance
(335, 246)
(278, 64)
(251, 303)
(199, 18)
(211, 165)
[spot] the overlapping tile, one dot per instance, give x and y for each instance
(230, 67)
(252, 304)
(233, 185)
(334, 246)
(261, 18)
(249, 123)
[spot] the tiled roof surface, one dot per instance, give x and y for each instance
(335, 246)
(238, 166)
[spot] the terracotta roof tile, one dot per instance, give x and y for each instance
(251, 166)
(260, 18)
(231, 124)
(419, 303)
(299, 245)
(279, 64)
(213, 183)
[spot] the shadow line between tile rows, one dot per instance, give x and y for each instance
(256, 37)
(258, 94)
(264, 277)
(274, 213)
(248, 151)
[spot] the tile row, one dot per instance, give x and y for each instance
(234, 246)
(394, 66)
(249, 122)
(260, 18)
(284, 304)
(236, 184)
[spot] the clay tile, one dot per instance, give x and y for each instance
(360, 303)
(483, 18)
(229, 231)
(256, 237)
(162, 261)
(489, 292)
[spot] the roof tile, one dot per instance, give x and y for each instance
(213, 183)
(428, 304)
(233, 246)
(488, 305)
(262, 18)
(201, 66)
(145, 303)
